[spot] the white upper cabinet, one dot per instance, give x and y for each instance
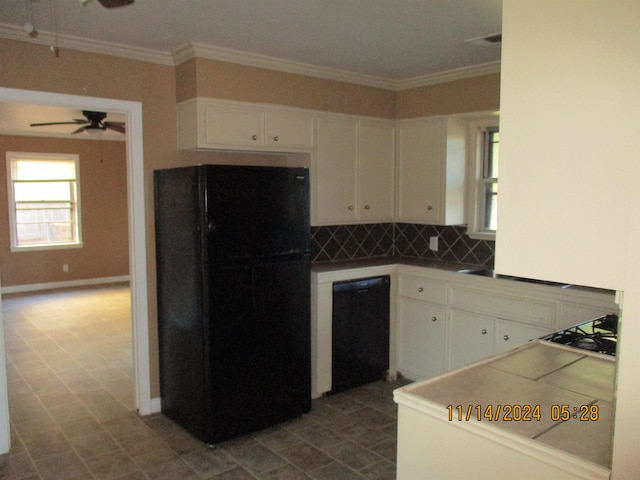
(352, 171)
(431, 157)
(232, 125)
(375, 171)
(288, 128)
(569, 143)
(208, 123)
(334, 170)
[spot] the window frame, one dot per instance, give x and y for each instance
(11, 158)
(476, 185)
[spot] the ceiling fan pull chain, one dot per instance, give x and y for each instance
(54, 18)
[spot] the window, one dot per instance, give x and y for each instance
(483, 184)
(44, 205)
(490, 161)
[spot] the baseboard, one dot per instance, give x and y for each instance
(156, 407)
(34, 287)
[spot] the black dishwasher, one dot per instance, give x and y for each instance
(360, 337)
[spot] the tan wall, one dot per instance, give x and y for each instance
(210, 78)
(460, 96)
(103, 200)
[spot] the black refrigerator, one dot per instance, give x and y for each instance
(233, 282)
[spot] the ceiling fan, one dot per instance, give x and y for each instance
(92, 123)
(111, 3)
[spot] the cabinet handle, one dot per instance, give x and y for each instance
(366, 207)
(276, 138)
(350, 207)
(255, 137)
(506, 337)
(420, 289)
(434, 319)
(484, 331)
(429, 207)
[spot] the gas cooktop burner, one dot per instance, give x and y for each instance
(597, 335)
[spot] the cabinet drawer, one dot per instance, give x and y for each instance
(570, 314)
(422, 289)
(503, 306)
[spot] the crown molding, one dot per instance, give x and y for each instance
(72, 42)
(195, 50)
(448, 76)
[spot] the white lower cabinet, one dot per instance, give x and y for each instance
(421, 338)
(471, 337)
(511, 334)
(474, 336)
(448, 320)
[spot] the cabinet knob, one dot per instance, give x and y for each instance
(429, 207)
(506, 337)
(434, 319)
(276, 138)
(350, 207)
(366, 207)
(420, 289)
(484, 331)
(255, 137)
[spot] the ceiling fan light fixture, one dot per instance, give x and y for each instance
(95, 132)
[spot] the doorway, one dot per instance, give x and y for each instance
(137, 242)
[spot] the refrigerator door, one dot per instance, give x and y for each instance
(260, 346)
(257, 212)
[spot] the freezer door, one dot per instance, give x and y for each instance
(260, 346)
(257, 212)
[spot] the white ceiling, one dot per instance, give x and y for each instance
(391, 41)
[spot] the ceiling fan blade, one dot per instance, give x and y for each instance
(115, 3)
(81, 129)
(115, 126)
(76, 121)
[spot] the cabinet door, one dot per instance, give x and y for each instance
(511, 335)
(233, 125)
(288, 129)
(419, 170)
(421, 339)
(335, 170)
(375, 171)
(471, 338)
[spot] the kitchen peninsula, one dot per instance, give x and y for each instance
(541, 411)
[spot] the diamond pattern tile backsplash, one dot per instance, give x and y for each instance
(350, 242)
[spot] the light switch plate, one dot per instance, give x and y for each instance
(433, 243)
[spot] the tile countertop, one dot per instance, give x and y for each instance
(538, 373)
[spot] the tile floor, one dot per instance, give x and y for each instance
(69, 372)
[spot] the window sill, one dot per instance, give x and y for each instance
(37, 248)
(482, 236)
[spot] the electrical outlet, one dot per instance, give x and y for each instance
(433, 243)
(65, 267)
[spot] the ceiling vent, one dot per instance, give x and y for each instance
(493, 39)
